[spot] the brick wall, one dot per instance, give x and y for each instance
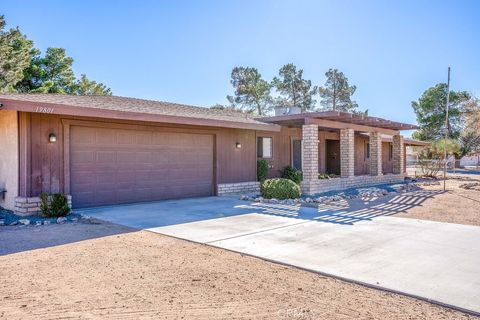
(325, 185)
(347, 152)
(398, 154)
(232, 188)
(309, 154)
(26, 206)
(375, 153)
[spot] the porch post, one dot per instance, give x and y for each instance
(375, 154)
(347, 153)
(398, 154)
(309, 158)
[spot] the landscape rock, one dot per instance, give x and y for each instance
(61, 220)
(2, 222)
(24, 222)
(471, 186)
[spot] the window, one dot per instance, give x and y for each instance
(264, 147)
(297, 154)
(367, 151)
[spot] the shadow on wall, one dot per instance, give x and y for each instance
(345, 213)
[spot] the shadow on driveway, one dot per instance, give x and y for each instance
(348, 212)
(174, 212)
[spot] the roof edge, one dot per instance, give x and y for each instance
(65, 109)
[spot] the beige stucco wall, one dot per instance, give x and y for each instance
(9, 157)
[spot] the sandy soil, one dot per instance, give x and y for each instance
(457, 205)
(142, 275)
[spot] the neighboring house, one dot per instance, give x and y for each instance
(470, 160)
(103, 150)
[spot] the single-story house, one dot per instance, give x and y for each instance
(104, 150)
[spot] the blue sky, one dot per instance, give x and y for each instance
(184, 51)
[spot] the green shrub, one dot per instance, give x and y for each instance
(262, 170)
(280, 188)
(327, 175)
(293, 174)
(44, 205)
(54, 206)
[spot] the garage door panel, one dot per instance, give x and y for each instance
(109, 166)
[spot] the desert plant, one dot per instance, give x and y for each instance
(326, 176)
(262, 170)
(432, 159)
(280, 188)
(44, 204)
(292, 173)
(54, 206)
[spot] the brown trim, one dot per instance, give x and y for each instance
(67, 123)
(215, 165)
(291, 149)
(271, 145)
(343, 125)
(66, 155)
(24, 154)
(27, 106)
(342, 117)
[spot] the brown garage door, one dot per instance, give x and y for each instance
(111, 166)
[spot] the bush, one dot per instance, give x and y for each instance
(262, 170)
(292, 173)
(280, 188)
(54, 206)
(327, 176)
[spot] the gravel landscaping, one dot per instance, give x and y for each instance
(364, 194)
(8, 218)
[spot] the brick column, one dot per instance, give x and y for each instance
(309, 157)
(375, 154)
(347, 153)
(398, 154)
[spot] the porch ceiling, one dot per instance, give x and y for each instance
(297, 120)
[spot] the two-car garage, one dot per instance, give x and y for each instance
(111, 165)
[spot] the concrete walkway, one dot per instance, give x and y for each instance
(353, 240)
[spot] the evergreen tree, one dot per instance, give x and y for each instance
(15, 56)
(252, 93)
(336, 94)
(293, 89)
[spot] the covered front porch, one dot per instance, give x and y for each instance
(357, 150)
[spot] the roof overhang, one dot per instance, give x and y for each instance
(63, 109)
(340, 120)
(406, 141)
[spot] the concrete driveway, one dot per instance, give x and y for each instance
(353, 240)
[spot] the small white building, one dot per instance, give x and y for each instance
(470, 161)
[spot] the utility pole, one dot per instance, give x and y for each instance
(446, 134)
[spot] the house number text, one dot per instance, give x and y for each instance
(44, 110)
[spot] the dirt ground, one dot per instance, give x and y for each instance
(105, 271)
(457, 205)
(142, 275)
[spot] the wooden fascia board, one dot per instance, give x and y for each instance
(343, 125)
(61, 109)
